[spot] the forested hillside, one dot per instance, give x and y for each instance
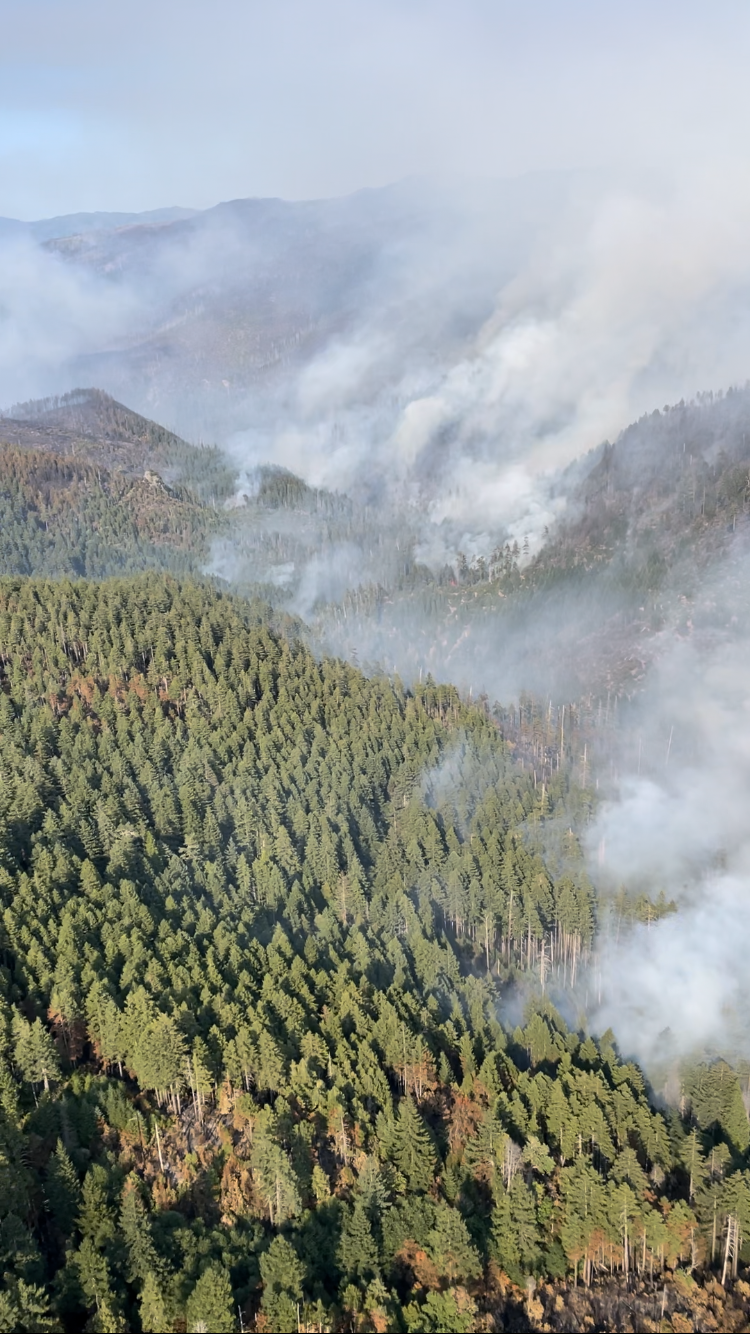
(68, 517)
(670, 495)
(257, 914)
(88, 487)
(88, 424)
(650, 544)
(83, 491)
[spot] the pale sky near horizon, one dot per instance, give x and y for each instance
(146, 104)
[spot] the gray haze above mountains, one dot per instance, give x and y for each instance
(446, 344)
(437, 350)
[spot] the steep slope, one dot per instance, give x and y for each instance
(91, 425)
(652, 546)
(256, 910)
(87, 486)
(670, 493)
(66, 516)
(83, 491)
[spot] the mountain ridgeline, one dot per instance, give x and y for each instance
(280, 937)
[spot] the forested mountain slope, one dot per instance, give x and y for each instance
(89, 425)
(668, 497)
(256, 911)
(633, 562)
(83, 491)
(652, 544)
(67, 517)
(90, 488)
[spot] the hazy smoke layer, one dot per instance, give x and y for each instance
(50, 314)
(440, 353)
(446, 345)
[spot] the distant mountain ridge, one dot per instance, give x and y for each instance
(70, 224)
(224, 304)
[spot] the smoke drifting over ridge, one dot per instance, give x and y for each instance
(619, 302)
(50, 314)
(444, 349)
(461, 343)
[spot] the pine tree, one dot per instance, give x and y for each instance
(96, 1218)
(35, 1053)
(25, 1307)
(505, 1248)
(135, 1229)
(357, 1252)
(441, 1313)
(484, 1151)
(152, 1307)
(276, 1180)
(8, 1092)
(271, 1063)
(451, 1248)
(93, 1272)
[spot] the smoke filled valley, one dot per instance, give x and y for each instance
(374, 751)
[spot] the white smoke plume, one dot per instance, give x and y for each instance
(494, 334)
(625, 296)
(679, 985)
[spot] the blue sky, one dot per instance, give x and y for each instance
(155, 102)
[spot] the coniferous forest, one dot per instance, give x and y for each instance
(261, 916)
(374, 668)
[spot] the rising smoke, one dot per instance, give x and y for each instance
(676, 823)
(457, 345)
(620, 299)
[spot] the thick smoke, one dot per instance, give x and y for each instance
(679, 985)
(441, 349)
(455, 354)
(450, 346)
(621, 299)
(435, 351)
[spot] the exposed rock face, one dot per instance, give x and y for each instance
(156, 481)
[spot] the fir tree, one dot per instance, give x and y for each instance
(412, 1148)
(357, 1252)
(63, 1190)
(210, 1305)
(283, 1274)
